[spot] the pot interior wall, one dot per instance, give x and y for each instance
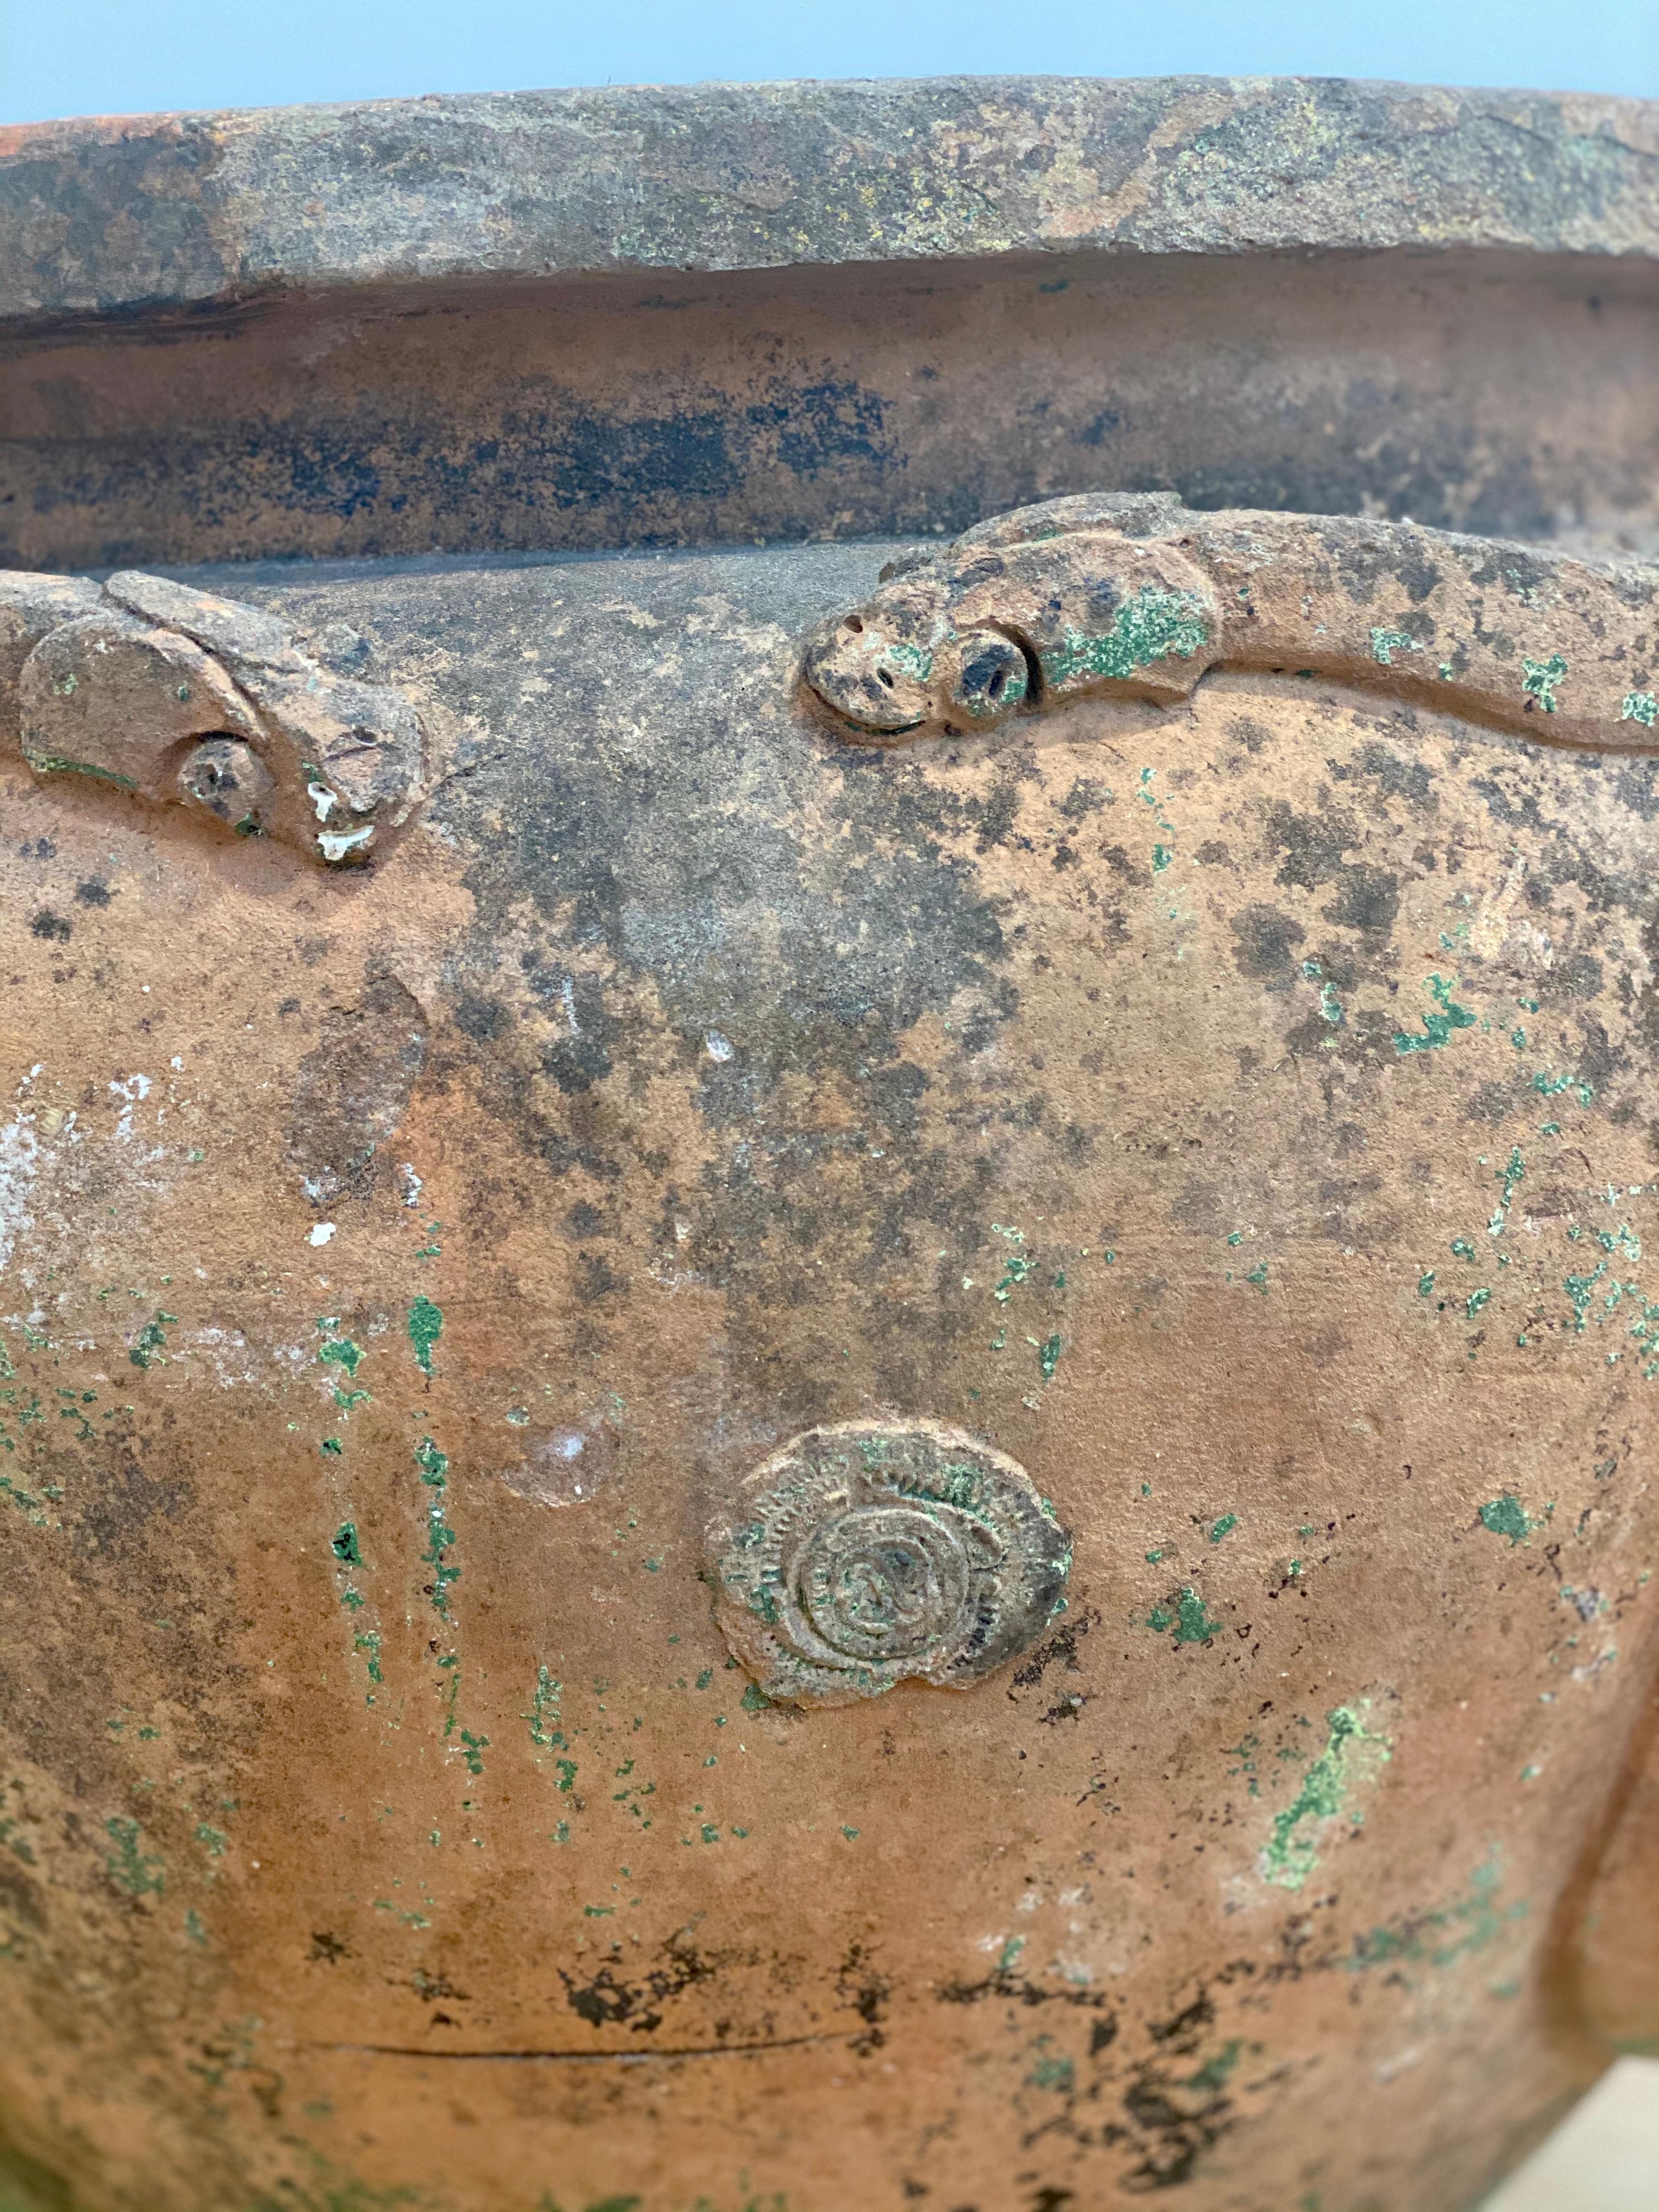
(1500, 393)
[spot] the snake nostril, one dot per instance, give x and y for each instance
(854, 626)
(884, 675)
(997, 683)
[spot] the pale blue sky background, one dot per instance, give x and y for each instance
(124, 57)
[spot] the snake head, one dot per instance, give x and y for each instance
(901, 665)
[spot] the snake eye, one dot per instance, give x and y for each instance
(995, 679)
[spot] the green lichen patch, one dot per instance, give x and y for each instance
(1352, 1757)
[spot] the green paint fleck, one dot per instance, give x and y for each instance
(1443, 1936)
(1224, 1527)
(1352, 1756)
(1437, 1027)
(1190, 1621)
(1511, 1177)
(916, 661)
(755, 1699)
(150, 1344)
(341, 1352)
(1053, 2070)
(426, 1326)
(1385, 643)
(1551, 1086)
(543, 1714)
(1477, 1299)
(1154, 625)
(1506, 1516)
(1212, 2075)
(344, 1545)
(1257, 1277)
(128, 1868)
(1049, 1357)
(1578, 1289)
(435, 1472)
(214, 1840)
(1640, 706)
(1244, 1752)
(1540, 678)
(1425, 1285)
(1193, 1623)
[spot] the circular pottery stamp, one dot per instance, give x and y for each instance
(872, 1552)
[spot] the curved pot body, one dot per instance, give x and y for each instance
(1176, 1155)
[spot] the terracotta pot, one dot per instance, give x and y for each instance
(827, 1364)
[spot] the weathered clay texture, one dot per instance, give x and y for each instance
(112, 214)
(869, 1553)
(878, 1438)
(1238, 1113)
(185, 699)
(1092, 597)
(594, 319)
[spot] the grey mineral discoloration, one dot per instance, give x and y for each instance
(354, 1090)
(769, 1085)
(740, 177)
(815, 949)
(695, 889)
